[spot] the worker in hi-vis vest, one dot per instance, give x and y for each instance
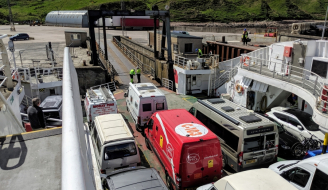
(131, 75)
(199, 52)
(138, 74)
(245, 37)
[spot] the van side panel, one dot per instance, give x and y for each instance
(201, 163)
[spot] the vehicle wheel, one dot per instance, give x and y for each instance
(27, 39)
(168, 182)
(224, 161)
(15, 39)
(147, 144)
(297, 150)
(139, 129)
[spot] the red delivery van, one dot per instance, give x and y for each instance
(189, 152)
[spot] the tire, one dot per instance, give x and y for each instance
(297, 150)
(26, 38)
(224, 161)
(15, 39)
(168, 181)
(147, 144)
(138, 128)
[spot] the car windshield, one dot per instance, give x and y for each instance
(305, 118)
(120, 151)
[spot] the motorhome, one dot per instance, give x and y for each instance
(248, 140)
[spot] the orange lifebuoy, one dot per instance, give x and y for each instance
(246, 59)
(239, 88)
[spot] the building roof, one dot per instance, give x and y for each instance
(180, 35)
(113, 128)
(147, 89)
(257, 179)
(173, 121)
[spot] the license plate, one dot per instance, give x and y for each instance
(250, 161)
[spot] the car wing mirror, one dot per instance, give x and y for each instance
(125, 94)
(300, 127)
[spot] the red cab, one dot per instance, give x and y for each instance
(189, 152)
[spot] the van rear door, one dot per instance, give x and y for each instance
(212, 162)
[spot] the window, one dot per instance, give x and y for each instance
(159, 106)
(131, 99)
(192, 110)
(293, 121)
(175, 48)
(280, 116)
(253, 144)
(75, 36)
(120, 151)
(320, 181)
(136, 105)
(230, 139)
(96, 140)
(194, 78)
(188, 48)
(320, 68)
(146, 107)
(150, 124)
(297, 175)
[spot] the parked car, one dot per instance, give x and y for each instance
(312, 153)
(20, 36)
(257, 179)
(142, 100)
(136, 178)
(114, 144)
(289, 145)
(297, 122)
(248, 140)
(189, 152)
(311, 173)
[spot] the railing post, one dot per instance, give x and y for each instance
(274, 69)
(261, 67)
(315, 85)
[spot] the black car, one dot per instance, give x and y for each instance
(136, 178)
(20, 36)
(289, 145)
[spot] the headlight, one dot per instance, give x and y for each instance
(285, 147)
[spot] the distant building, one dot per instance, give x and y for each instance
(181, 44)
(68, 18)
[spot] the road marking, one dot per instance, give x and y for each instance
(185, 99)
(29, 132)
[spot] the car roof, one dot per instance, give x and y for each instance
(139, 179)
(146, 89)
(112, 127)
(321, 161)
(256, 179)
(175, 118)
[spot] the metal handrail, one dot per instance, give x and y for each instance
(304, 78)
(146, 69)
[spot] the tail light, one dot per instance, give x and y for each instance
(103, 171)
(240, 158)
(139, 120)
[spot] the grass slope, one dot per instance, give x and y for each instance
(181, 10)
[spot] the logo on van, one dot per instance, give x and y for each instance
(169, 150)
(191, 130)
(192, 158)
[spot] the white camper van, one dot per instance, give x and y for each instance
(99, 100)
(142, 100)
(114, 144)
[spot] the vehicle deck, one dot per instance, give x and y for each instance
(31, 160)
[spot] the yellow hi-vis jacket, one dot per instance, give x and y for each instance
(132, 72)
(244, 34)
(138, 71)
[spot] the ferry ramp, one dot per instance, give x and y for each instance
(31, 160)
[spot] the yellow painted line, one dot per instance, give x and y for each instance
(185, 99)
(118, 92)
(30, 132)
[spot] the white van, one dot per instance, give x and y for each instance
(311, 173)
(99, 100)
(142, 100)
(114, 144)
(248, 140)
(259, 179)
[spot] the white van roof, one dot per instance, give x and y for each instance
(100, 95)
(112, 127)
(146, 89)
(257, 179)
(233, 112)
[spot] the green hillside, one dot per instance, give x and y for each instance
(181, 10)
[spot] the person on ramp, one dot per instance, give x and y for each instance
(131, 75)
